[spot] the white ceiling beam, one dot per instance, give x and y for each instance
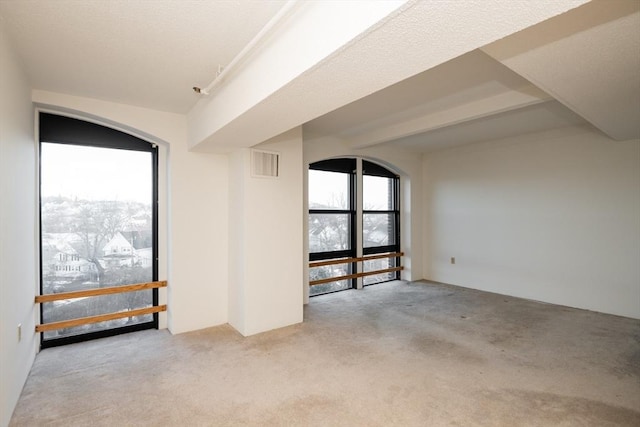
(500, 103)
(308, 34)
(588, 59)
(332, 53)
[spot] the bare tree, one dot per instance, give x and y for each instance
(96, 224)
(331, 230)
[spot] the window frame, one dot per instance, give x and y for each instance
(340, 166)
(347, 166)
(372, 169)
(350, 166)
(59, 129)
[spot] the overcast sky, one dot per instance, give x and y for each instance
(95, 173)
(107, 174)
(326, 187)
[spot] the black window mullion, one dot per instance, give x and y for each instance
(329, 211)
(396, 207)
(155, 227)
(322, 256)
(380, 249)
(354, 240)
(379, 212)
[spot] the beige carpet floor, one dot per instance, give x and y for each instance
(394, 354)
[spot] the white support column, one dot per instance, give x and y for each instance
(266, 234)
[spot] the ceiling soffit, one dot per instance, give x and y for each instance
(588, 59)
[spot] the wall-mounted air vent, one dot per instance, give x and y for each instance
(264, 164)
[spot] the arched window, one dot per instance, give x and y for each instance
(98, 189)
(348, 223)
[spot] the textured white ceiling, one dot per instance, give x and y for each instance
(588, 59)
(151, 53)
(417, 36)
(535, 118)
(465, 80)
(470, 77)
(143, 53)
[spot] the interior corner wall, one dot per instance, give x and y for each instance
(238, 173)
(198, 269)
(18, 249)
(266, 241)
(551, 216)
(193, 215)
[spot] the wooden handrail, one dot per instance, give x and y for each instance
(101, 318)
(354, 276)
(355, 259)
(40, 299)
(332, 262)
(100, 291)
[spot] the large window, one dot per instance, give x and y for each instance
(332, 211)
(333, 227)
(98, 199)
(380, 220)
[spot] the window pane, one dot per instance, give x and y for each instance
(377, 193)
(327, 271)
(93, 306)
(328, 190)
(329, 232)
(378, 230)
(378, 264)
(96, 231)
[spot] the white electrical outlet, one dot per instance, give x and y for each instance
(19, 332)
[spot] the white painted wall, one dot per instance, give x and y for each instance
(18, 249)
(408, 165)
(198, 258)
(193, 208)
(551, 216)
(266, 250)
(238, 174)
